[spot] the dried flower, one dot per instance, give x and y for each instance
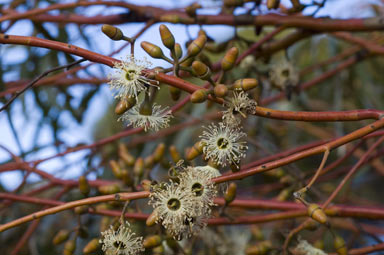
(121, 241)
(238, 103)
(159, 118)
(127, 78)
(305, 248)
(222, 145)
(283, 74)
(200, 185)
(174, 207)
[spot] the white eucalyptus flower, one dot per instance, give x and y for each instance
(127, 79)
(158, 119)
(222, 144)
(174, 208)
(239, 103)
(121, 241)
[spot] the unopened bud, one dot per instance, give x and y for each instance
(171, 18)
(339, 245)
(199, 96)
(152, 241)
(167, 37)
(191, 9)
(152, 50)
(69, 247)
(112, 32)
(138, 168)
(116, 170)
(149, 161)
(152, 218)
(125, 155)
(61, 237)
(259, 249)
(159, 152)
(159, 250)
(220, 90)
(126, 177)
(284, 194)
(230, 194)
(233, 3)
(146, 184)
(92, 246)
(84, 185)
(229, 59)
(109, 189)
(175, 155)
(197, 45)
(178, 51)
(195, 150)
(81, 209)
(124, 105)
(245, 84)
(316, 213)
(175, 93)
(201, 70)
(273, 4)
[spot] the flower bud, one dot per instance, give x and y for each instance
(116, 170)
(175, 93)
(199, 96)
(196, 46)
(152, 241)
(152, 50)
(112, 32)
(109, 189)
(125, 155)
(233, 3)
(201, 70)
(124, 105)
(149, 161)
(316, 213)
(92, 246)
(284, 194)
(175, 155)
(146, 184)
(138, 168)
(259, 249)
(256, 232)
(171, 18)
(167, 37)
(273, 4)
(230, 194)
(81, 209)
(178, 51)
(245, 84)
(229, 59)
(159, 250)
(84, 185)
(126, 177)
(339, 245)
(152, 218)
(61, 237)
(158, 154)
(69, 247)
(220, 90)
(195, 151)
(191, 9)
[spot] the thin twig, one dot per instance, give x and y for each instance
(29, 85)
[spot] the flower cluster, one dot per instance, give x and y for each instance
(129, 82)
(121, 242)
(222, 144)
(183, 207)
